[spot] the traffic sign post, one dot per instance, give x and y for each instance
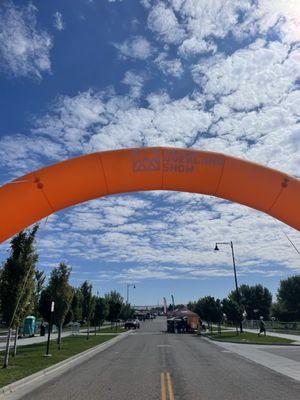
(49, 329)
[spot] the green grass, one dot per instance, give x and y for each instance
(30, 358)
(108, 329)
(248, 337)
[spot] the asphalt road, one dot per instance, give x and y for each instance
(153, 365)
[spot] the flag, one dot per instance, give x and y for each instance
(165, 305)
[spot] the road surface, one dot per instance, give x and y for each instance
(153, 365)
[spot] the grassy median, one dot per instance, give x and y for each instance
(30, 358)
(248, 337)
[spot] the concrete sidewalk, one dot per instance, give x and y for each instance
(41, 339)
(274, 357)
(32, 340)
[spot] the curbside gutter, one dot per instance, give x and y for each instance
(25, 385)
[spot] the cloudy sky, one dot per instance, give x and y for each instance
(79, 76)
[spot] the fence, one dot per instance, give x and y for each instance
(272, 326)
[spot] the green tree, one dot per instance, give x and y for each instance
(114, 301)
(61, 292)
(191, 305)
(288, 299)
(39, 281)
(233, 312)
(88, 304)
(209, 309)
(255, 300)
(126, 312)
(100, 312)
(17, 282)
(76, 306)
(279, 312)
(176, 307)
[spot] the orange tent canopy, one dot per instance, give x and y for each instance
(40, 193)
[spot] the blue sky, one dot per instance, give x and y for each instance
(90, 75)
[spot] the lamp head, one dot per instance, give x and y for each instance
(216, 247)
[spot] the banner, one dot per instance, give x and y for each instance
(165, 305)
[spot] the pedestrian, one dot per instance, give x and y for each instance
(262, 327)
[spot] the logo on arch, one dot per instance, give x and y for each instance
(145, 160)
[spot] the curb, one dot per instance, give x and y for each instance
(37, 379)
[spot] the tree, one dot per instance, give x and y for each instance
(288, 299)
(191, 305)
(279, 312)
(60, 291)
(39, 281)
(88, 304)
(126, 312)
(17, 282)
(233, 312)
(114, 301)
(209, 309)
(254, 299)
(76, 306)
(176, 307)
(100, 312)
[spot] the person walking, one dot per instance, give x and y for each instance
(262, 327)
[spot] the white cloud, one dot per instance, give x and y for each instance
(254, 76)
(169, 67)
(20, 153)
(192, 23)
(146, 3)
(24, 48)
(135, 81)
(169, 239)
(280, 16)
(137, 47)
(192, 46)
(211, 18)
(58, 21)
(163, 21)
(157, 100)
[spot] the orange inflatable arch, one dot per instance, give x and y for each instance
(40, 193)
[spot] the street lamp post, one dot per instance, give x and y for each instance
(128, 286)
(234, 270)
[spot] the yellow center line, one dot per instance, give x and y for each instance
(163, 386)
(170, 388)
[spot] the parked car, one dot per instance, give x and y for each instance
(130, 324)
(137, 323)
